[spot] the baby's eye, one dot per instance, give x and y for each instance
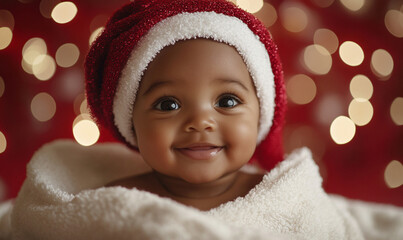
(167, 104)
(228, 101)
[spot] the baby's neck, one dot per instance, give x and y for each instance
(180, 188)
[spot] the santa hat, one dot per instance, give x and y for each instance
(136, 33)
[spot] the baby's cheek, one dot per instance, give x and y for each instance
(242, 135)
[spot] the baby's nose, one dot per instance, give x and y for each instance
(200, 119)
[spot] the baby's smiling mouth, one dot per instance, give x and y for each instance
(200, 151)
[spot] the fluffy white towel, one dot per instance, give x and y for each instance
(63, 198)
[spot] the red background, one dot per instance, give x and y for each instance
(355, 169)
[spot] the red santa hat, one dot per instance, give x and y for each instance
(137, 32)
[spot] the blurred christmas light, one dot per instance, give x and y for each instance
(26, 67)
(317, 60)
(2, 87)
(301, 89)
(360, 111)
(67, 55)
(6, 35)
(85, 131)
(43, 107)
(328, 108)
(6, 19)
(326, 38)
(396, 111)
(361, 87)
(46, 7)
(323, 3)
(84, 107)
(44, 67)
(251, 6)
(353, 5)
(394, 22)
(342, 130)
(293, 18)
(33, 48)
(64, 12)
(3, 142)
(351, 53)
(98, 21)
(95, 34)
(267, 15)
(394, 174)
(382, 64)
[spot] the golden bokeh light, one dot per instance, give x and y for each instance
(360, 111)
(26, 67)
(44, 67)
(6, 35)
(361, 87)
(2, 87)
(64, 12)
(353, 5)
(6, 19)
(3, 142)
(342, 130)
(85, 132)
(43, 107)
(382, 63)
(84, 107)
(394, 22)
(32, 49)
(67, 55)
(323, 3)
(328, 108)
(394, 174)
(98, 21)
(95, 34)
(46, 7)
(267, 15)
(251, 6)
(294, 19)
(301, 89)
(396, 111)
(351, 53)
(317, 60)
(326, 38)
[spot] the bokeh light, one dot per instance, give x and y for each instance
(317, 60)
(323, 3)
(342, 130)
(267, 15)
(360, 111)
(361, 87)
(3, 142)
(294, 18)
(382, 63)
(394, 22)
(6, 35)
(67, 55)
(394, 174)
(44, 67)
(6, 19)
(95, 34)
(353, 5)
(98, 21)
(328, 108)
(84, 107)
(43, 107)
(64, 12)
(326, 38)
(2, 86)
(396, 111)
(46, 7)
(32, 49)
(351, 53)
(301, 89)
(85, 131)
(251, 6)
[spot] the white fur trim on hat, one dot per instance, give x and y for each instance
(219, 27)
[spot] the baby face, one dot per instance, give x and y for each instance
(196, 112)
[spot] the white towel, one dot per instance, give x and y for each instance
(63, 198)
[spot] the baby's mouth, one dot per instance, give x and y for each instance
(200, 152)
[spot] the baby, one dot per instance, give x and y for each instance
(195, 87)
